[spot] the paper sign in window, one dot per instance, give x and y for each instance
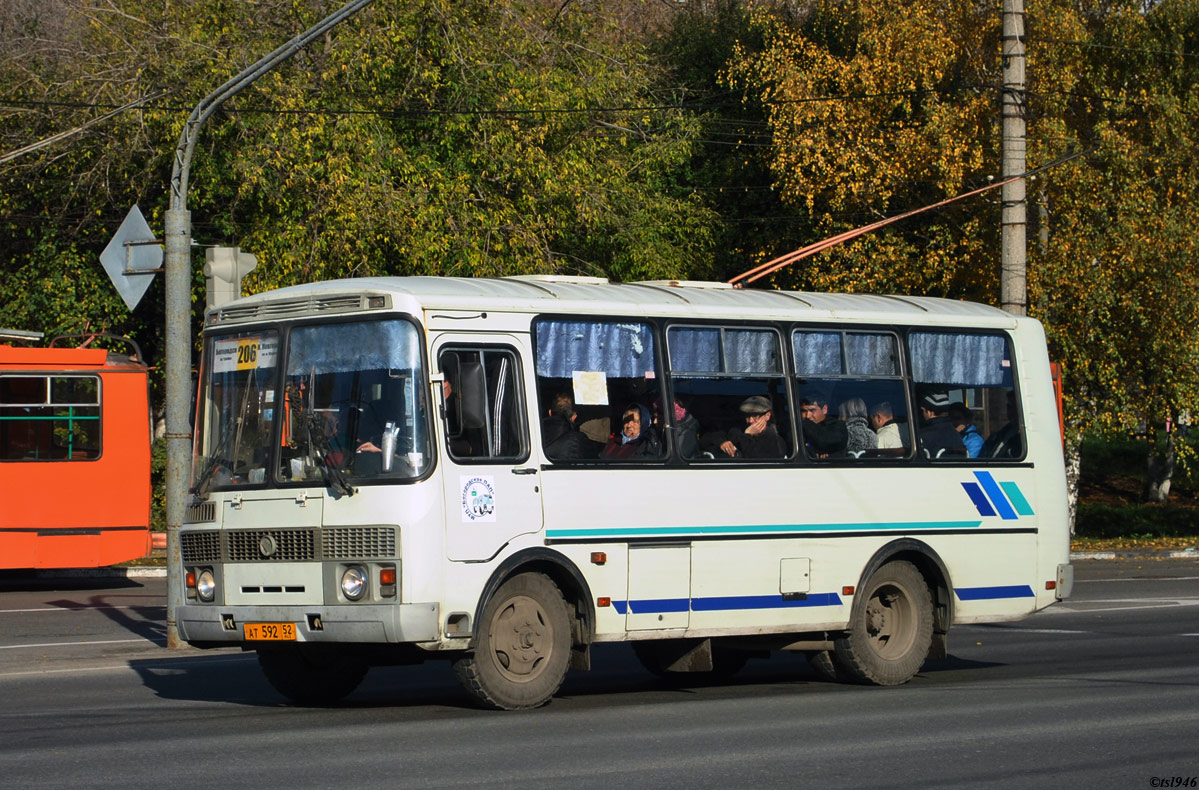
(591, 387)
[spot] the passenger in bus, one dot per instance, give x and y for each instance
(685, 425)
(563, 440)
(825, 436)
(890, 437)
(937, 435)
(758, 439)
(636, 438)
(1005, 442)
(963, 423)
(860, 437)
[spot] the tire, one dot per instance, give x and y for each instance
(891, 630)
(312, 674)
(827, 668)
(725, 663)
(522, 647)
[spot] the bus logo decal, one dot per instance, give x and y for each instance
(991, 497)
(478, 499)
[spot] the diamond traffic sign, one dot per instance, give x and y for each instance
(132, 258)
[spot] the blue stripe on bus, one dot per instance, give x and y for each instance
(980, 499)
(1017, 497)
(741, 529)
(991, 593)
(996, 495)
(722, 603)
(658, 605)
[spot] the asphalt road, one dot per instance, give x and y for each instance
(1102, 691)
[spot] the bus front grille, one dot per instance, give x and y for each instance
(270, 545)
(359, 543)
(287, 545)
(198, 547)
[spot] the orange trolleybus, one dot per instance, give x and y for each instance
(74, 455)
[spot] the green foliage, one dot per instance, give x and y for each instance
(1116, 283)
(158, 473)
(1096, 520)
(465, 138)
(862, 130)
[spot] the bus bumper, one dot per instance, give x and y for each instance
(1065, 581)
(385, 623)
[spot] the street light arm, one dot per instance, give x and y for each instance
(235, 85)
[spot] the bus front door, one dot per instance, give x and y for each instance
(491, 483)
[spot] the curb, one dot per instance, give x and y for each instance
(1135, 554)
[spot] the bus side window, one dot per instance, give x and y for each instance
(852, 394)
(729, 393)
(600, 371)
(483, 404)
(967, 389)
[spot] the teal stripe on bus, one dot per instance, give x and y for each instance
(742, 529)
(1017, 498)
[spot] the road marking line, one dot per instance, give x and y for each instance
(1081, 610)
(215, 658)
(1140, 579)
(1043, 630)
(76, 644)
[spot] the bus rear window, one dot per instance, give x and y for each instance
(49, 418)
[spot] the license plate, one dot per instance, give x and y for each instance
(269, 632)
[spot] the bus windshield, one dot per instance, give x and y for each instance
(344, 405)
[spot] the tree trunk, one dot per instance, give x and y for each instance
(1073, 467)
(1159, 468)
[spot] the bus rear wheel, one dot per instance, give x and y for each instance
(892, 628)
(522, 648)
(312, 674)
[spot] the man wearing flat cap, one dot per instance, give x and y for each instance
(938, 436)
(758, 439)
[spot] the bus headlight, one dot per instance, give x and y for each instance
(353, 582)
(206, 585)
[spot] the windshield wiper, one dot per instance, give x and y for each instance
(321, 451)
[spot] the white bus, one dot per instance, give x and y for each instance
(503, 472)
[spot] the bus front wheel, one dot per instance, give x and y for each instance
(312, 674)
(522, 648)
(892, 628)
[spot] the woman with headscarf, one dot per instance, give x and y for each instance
(636, 437)
(861, 436)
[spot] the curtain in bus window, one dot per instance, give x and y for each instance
(871, 355)
(704, 350)
(966, 360)
(616, 349)
(751, 351)
(695, 350)
(339, 348)
(817, 353)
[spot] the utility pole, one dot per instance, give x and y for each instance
(178, 268)
(1013, 280)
